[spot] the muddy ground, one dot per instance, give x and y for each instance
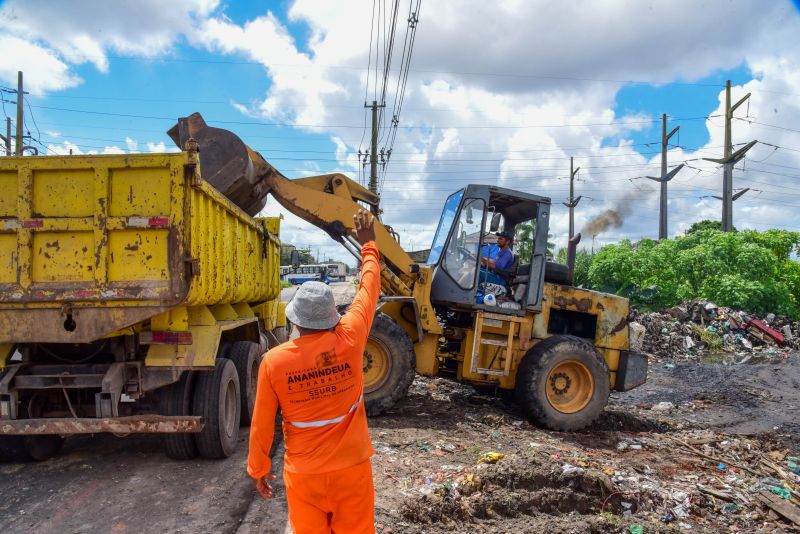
(427, 464)
(635, 466)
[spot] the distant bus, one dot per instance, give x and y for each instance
(308, 273)
(337, 271)
(285, 270)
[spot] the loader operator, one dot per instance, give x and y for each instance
(503, 260)
(317, 382)
(490, 281)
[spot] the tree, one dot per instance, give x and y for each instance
(748, 270)
(583, 261)
(705, 225)
(306, 258)
(523, 244)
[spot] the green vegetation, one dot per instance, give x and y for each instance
(583, 260)
(523, 242)
(306, 258)
(747, 270)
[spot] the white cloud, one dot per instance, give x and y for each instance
(159, 147)
(43, 70)
(551, 64)
(65, 148)
(554, 65)
(46, 38)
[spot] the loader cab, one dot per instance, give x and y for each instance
(466, 231)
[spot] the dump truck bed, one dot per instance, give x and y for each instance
(90, 245)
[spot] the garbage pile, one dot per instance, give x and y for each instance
(700, 328)
(450, 459)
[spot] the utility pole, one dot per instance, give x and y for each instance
(729, 159)
(572, 200)
(665, 176)
(20, 120)
(373, 154)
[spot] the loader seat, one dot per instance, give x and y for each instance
(509, 274)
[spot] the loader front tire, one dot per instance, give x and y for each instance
(246, 356)
(563, 383)
(217, 401)
(389, 364)
(177, 400)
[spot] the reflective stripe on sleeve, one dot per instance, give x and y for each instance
(325, 422)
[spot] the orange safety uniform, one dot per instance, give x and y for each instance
(317, 382)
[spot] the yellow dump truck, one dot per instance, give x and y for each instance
(134, 298)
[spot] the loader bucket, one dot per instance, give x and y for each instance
(229, 165)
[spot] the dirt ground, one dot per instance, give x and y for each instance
(628, 469)
(636, 466)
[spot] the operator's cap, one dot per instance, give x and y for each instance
(313, 307)
(505, 234)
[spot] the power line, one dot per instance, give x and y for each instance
(405, 65)
(751, 121)
(439, 127)
(89, 57)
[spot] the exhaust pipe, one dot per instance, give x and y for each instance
(572, 248)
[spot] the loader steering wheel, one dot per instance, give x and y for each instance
(466, 253)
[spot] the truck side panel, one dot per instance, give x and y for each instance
(93, 244)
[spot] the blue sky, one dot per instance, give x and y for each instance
(677, 100)
(290, 79)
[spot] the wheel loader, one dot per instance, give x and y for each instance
(559, 348)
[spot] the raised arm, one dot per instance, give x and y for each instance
(358, 319)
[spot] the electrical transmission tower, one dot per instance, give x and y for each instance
(736, 196)
(729, 159)
(665, 176)
(572, 200)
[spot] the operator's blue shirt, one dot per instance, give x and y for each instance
(504, 259)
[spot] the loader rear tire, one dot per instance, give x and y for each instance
(177, 400)
(217, 401)
(389, 365)
(563, 383)
(246, 356)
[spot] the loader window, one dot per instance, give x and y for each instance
(446, 221)
(461, 258)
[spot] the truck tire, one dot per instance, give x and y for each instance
(389, 364)
(563, 383)
(29, 448)
(217, 401)
(279, 335)
(246, 356)
(177, 400)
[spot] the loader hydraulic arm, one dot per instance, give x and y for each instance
(328, 201)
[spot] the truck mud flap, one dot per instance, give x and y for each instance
(142, 424)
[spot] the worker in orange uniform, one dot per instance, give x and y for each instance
(317, 382)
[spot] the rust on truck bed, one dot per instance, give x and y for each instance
(91, 245)
(140, 424)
